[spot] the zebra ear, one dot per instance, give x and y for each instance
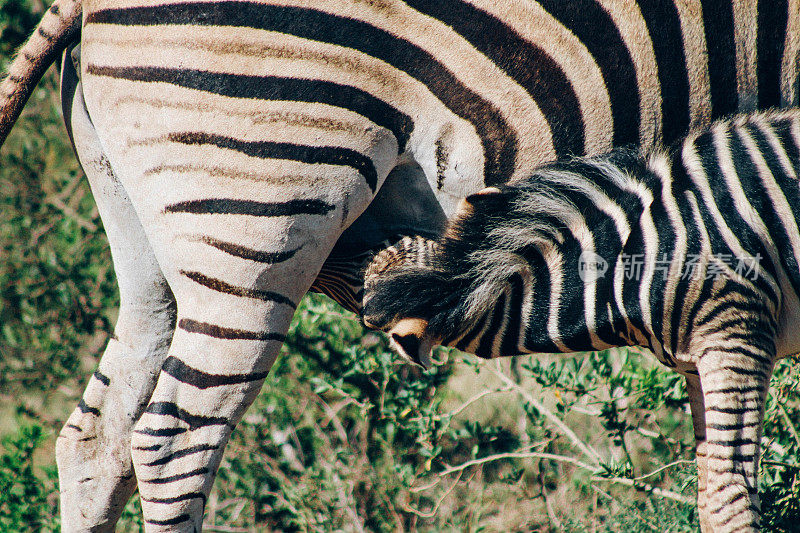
(409, 339)
(466, 205)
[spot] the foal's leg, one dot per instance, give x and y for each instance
(734, 382)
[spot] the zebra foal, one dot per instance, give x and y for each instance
(693, 254)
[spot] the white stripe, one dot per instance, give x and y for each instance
(698, 176)
(780, 205)
(661, 167)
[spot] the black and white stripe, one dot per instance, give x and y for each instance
(698, 259)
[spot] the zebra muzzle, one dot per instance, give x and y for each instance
(409, 339)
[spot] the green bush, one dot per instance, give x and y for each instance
(28, 497)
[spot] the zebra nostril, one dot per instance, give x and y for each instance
(410, 346)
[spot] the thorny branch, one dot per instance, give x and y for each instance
(585, 448)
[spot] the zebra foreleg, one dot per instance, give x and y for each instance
(734, 384)
(93, 450)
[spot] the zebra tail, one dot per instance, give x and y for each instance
(58, 27)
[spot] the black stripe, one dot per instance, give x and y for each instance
(150, 448)
(788, 187)
(176, 477)
(724, 506)
(730, 410)
(232, 206)
(664, 26)
(182, 453)
(783, 130)
(511, 338)
(731, 427)
(196, 378)
(86, 409)
(682, 189)
(765, 362)
(470, 336)
(488, 337)
(498, 139)
(273, 88)
(762, 336)
(221, 286)
(525, 63)
(726, 307)
(743, 389)
(772, 20)
(220, 332)
(175, 499)
(312, 155)
(537, 339)
(249, 253)
(590, 22)
(732, 457)
(73, 426)
(194, 421)
(102, 378)
(720, 40)
(163, 432)
(49, 37)
(733, 443)
(752, 372)
(170, 522)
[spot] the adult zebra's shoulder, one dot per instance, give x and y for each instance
(232, 146)
(692, 254)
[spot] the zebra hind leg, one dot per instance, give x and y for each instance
(230, 327)
(734, 383)
(236, 285)
(93, 449)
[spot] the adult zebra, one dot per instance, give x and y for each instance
(629, 249)
(229, 144)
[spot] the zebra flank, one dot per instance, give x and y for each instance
(242, 153)
(692, 253)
